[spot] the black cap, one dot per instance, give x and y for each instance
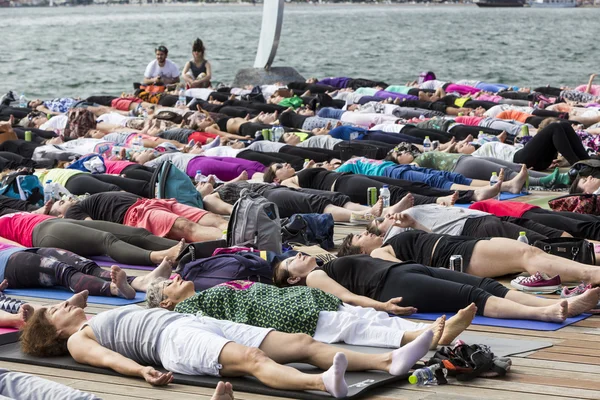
(163, 49)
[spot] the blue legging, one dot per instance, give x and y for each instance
(432, 177)
(491, 87)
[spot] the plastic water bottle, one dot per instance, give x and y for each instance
(523, 237)
(22, 101)
(199, 177)
(182, 101)
(48, 191)
(278, 132)
(306, 162)
(384, 193)
(427, 375)
(426, 144)
(493, 180)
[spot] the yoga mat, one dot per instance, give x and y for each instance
(8, 335)
(107, 262)
(507, 323)
(58, 293)
(358, 382)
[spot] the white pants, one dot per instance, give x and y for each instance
(363, 326)
(192, 346)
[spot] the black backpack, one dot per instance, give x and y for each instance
(467, 362)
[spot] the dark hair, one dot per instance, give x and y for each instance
(347, 248)
(390, 157)
(40, 338)
(280, 275)
(574, 186)
(162, 49)
(198, 46)
(269, 174)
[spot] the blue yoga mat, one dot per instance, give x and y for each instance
(58, 293)
(507, 323)
(107, 262)
(503, 196)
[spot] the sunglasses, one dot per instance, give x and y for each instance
(278, 166)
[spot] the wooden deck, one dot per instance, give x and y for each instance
(568, 370)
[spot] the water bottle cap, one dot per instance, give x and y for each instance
(198, 172)
(426, 137)
(522, 233)
(494, 173)
(385, 186)
(49, 181)
(413, 380)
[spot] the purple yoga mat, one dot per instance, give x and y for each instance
(107, 262)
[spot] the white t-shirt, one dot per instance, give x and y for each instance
(266, 146)
(223, 151)
(55, 123)
(199, 93)
(432, 84)
(499, 150)
(83, 145)
(169, 70)
(114, 119)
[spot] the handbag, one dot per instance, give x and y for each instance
(579, 250)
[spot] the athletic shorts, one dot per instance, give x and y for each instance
(201, 137)
(159, 215)
(192, 346)
(123, 104)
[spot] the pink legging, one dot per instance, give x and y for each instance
(462, 89)
(224, 168)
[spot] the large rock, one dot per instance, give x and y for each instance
(259, 76)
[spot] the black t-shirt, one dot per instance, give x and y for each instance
(110, 206)
(362, 275)
(414, 245)
(317, 178)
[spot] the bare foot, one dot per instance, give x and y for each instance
(3, 285)
(79, 299)
(119, 285)
(437, 327)
(241, 177)
(447, 201)
(584, 302)
(502, 136)
(163, 271)
(457, 324)
(554, 313)
(173, 252)
(404, 204)
(25, 311)
(487, 192)
(377, 208)
(516, 184)
(223, 391)
(45, 209)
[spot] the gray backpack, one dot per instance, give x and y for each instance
(255, 222)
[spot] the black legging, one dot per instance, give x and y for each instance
(373, 149)
(508, 227)
(460, 132)
(542, 149)
(578, 225)
(438, 289)
(267, 158)
(433, 134)
(311, 153)
(138, 172)
(8, 205)
(102, 100)
(49, 267)
(100, 183)
(97, 238)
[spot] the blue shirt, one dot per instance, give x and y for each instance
(348, 132)
(366, 166)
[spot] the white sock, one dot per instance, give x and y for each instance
(405, 357)
(333, 378)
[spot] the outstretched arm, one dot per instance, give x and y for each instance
(86, 350)
(320, 280)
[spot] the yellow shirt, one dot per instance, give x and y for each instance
(58, 175)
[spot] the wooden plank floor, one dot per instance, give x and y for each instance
(568, 370)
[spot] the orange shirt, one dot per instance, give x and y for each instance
(514, 115)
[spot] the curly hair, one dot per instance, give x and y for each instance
(40, 338)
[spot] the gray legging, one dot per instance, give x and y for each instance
(124, 244)
(482, 168)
